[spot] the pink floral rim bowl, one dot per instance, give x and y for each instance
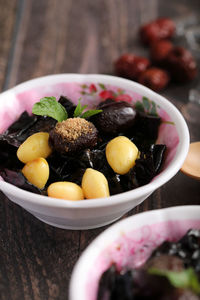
(129, 243)
(93, 89)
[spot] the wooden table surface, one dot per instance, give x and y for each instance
(40, 37)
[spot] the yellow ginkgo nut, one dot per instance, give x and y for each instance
(37, 172)
(33, 147)
(121, 154)
(65, 190)
(94, 184)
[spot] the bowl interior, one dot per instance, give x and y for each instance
(130, 242)
(91, 91)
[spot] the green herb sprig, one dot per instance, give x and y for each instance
(147, 106)
(184, 279)
(49, 106)
(89, 113)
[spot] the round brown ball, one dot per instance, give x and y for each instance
(73, 135)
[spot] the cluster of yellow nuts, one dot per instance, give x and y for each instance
(33, 152)
(94, 185)
(121, 154)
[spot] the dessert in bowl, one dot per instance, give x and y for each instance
(94, 90)
(151, 255)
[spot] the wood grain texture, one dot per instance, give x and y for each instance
(48, 37)
(8, 12)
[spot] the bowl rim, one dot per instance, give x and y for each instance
(159, 180)
(175, 213)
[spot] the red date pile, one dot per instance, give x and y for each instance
(168, 62)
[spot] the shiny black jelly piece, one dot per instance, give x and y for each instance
(25, 126)
(69, 106)
(147, 126)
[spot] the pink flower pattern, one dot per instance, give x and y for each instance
(104, 93)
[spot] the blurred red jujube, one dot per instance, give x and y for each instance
(159, 51)
(162, 28)
(154, 78)
(131, 66)
(181, 65)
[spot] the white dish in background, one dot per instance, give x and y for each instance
(93, 213)
(129, 243)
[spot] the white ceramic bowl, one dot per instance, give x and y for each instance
(98, 212)
(129, 243)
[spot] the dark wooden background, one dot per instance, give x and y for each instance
(39, 37)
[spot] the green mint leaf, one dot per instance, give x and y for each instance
(90, 113)
(102, 86)
(153, 109)
(184, 279)
(139, 106)
(48, 106)
(146, 103)
(79, 109)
